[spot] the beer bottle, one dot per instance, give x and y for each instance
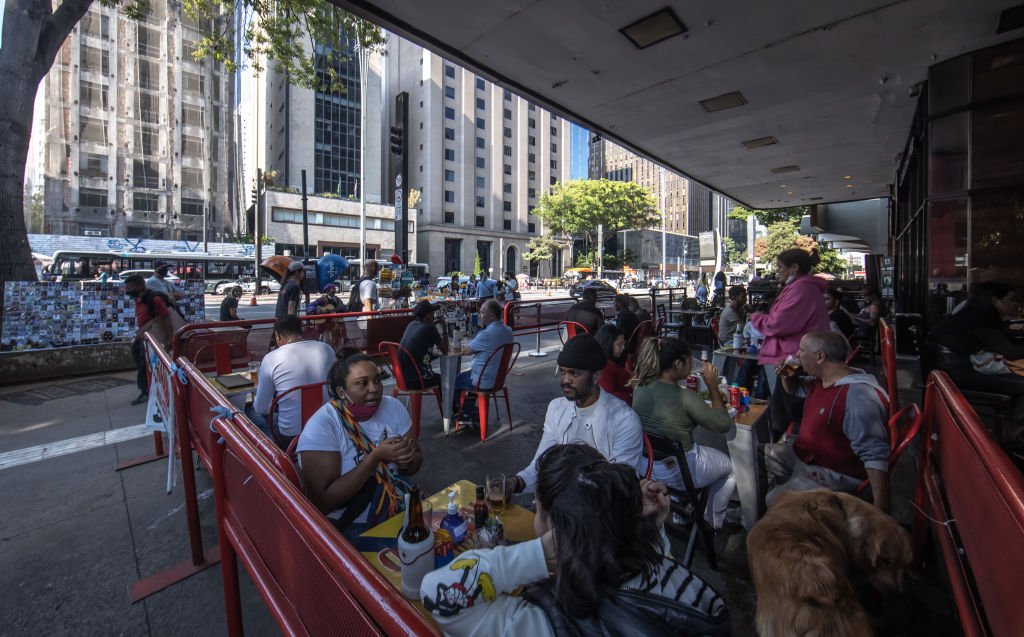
(480, 511)
(416, 531)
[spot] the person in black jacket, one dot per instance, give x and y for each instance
(586, 312)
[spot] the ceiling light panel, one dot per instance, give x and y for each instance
(722, 102)
(760, 142)
(792, 168)
(657, 27)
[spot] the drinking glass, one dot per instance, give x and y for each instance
(495, 490)
(254, 371)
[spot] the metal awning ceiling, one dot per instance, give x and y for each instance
(832, 82)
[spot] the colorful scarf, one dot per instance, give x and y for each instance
(389, 495)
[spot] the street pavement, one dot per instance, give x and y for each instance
(75, 534)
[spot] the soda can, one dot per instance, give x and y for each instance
(691, 382)
(734, 396)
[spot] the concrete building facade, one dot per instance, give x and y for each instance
(136, 135)
(481, 158)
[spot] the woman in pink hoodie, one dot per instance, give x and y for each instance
(799, 308)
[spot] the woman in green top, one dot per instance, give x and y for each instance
(670, 411)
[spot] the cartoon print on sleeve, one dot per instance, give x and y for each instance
(450, 599)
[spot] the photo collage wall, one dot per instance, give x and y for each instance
(39, 315)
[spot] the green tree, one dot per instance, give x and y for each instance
(589, 260)
(35, 30)
(785, 235)
(476, 265)
(732, 254)
(542, 248)
(33, 209)
(768, 217)
(579, 207)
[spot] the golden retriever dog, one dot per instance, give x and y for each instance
(802, 554)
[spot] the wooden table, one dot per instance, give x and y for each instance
(379, 544)
(742, 442)
(236, 396)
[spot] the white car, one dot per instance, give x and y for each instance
(266, 286)
(145, 274)
(224, 287)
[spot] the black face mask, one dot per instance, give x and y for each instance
(136, 294)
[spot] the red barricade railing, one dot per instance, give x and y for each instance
(542, 315)
(313, 581)
(974, 497)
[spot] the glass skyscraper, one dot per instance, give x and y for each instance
(579, 151)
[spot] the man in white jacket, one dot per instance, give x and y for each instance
(587, 414)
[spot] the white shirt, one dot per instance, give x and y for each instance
(580, 430)
(368, 294)
(324, 432)
(292, 365)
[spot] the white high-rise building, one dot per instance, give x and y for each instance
(481, 157)
(137, 136)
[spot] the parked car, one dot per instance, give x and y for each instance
(224, 287)
(212, 286)
(446, 281)
(604, 289)
(267, 285)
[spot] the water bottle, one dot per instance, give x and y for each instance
(737, 341)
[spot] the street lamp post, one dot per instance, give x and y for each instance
(364, 62)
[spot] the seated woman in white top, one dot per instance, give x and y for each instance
(354, 447)
(599, 566)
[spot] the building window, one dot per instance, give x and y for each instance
(192, 206)
(531, 175)
(508, 96)
(480, 84)
(480, 162)
(92, 130)
(191, 177)
(479, 221)
(530, 209)
(554, 164)
(191, 146)
(507, 150)
(146, 141)
(531, 158)
(531, 140)
(481, 182)
(449, 175)
(449, 112)
(506, 206)
(508, 224)
(145, 174)
(449, 216)
(193, 83)
(554, 180)
(479, 142)
(92, 95)
(92, 197)
(531, 227)
(94, 59)
(480, 201)
(480, 123)
(507, 132)
(449, 91)
(554, 148)
(92, 165)
(507, 113)
(449, 196)
(532, 123)
(480, 103)
(532, 193)
(449, 154)
(449, 71)
(145, 202)
(452, 255)
(508, 169)
(554, 132)
(507, 188)
(533, 107)
(336, 160)
(449, 133)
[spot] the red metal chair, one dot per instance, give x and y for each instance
(312, 397)
(394, 351)
(649, 452)
(569, 329)
(902, 429)
(853, 355)
(508, 355)
(887, 347)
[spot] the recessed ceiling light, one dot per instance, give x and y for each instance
(790, 192)
(849, 185)
(782, 185)
(815, 198)
(724, 101)
(655, 28)
(847, 177)
(751, 144)
(792, 168)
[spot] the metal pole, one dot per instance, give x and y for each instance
(305, 227)
(537, 352)
(664, 216)
(363, 65)
(600, 250)
(256, 233)
(206, 245)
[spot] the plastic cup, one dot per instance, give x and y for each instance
(254, 371)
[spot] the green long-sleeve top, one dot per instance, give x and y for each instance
(673, 412)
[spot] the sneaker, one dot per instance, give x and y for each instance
(142, 398)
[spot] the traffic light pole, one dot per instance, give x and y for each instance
(400, 169)
(257, 213)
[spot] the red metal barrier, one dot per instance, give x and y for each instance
(540, 316)
(974, 496)
(887, 346)
(312, 580)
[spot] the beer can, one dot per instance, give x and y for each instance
(691, 382)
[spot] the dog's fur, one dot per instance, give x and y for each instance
(803, 553)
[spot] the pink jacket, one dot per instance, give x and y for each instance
(799, 309)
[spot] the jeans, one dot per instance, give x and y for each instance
(707, 467)
(465, 381)
(745, 377)
(264, 425)
(139, 354)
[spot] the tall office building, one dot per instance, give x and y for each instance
(481, 157)
(137, 134)
(579, 152)
(288, 129)
(669, 189)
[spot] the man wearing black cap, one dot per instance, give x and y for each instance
(420, 335)
(291, 291)
(587, 415)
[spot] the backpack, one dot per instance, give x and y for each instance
(355, 302)
(174, 318)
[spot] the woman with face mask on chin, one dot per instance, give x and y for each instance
(354, 450)
(799, 309)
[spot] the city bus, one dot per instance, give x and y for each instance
(84, 265)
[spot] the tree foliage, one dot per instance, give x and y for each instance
(768, 217)
(785, 235)
(579, 207)
(609, 261)
(731, 253)
(542, 248)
